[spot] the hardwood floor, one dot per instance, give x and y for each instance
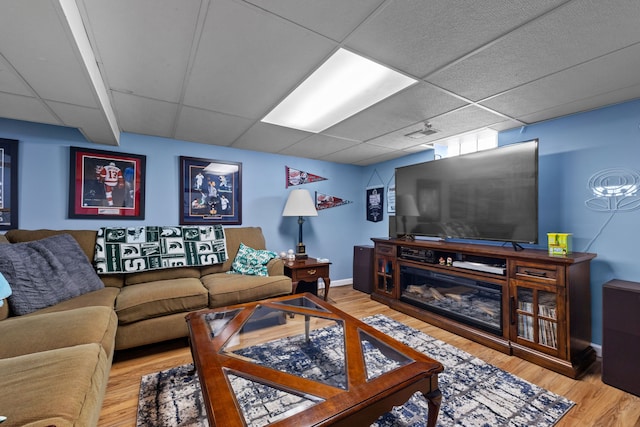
(597, 403)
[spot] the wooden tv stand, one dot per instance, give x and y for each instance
(525, 303)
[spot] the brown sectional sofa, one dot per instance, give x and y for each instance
(55, 362)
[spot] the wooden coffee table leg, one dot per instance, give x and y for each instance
(434, 399)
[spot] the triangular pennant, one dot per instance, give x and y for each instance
(325, 201)
(298, 177)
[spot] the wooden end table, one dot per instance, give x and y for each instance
(308, 270)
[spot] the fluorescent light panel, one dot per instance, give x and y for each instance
(341, 87)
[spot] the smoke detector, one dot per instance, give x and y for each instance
(426, 131)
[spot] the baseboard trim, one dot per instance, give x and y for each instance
(335, 283)
(598, 349)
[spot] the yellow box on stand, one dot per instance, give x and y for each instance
(559, 243)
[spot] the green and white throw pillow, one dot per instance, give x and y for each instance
(252, 262)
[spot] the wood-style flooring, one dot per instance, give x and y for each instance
(598, 404)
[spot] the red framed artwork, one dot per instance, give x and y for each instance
(106, 184)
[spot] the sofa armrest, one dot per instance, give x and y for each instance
(275, 267)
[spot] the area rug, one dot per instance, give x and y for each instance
(475, 393)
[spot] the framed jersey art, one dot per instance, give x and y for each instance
(106, 184)
(210, 191)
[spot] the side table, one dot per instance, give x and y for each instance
(308, 270)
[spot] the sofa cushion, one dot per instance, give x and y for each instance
(252, 262)
(61, 387)
(169, 273)
(250, 236)
(32, 334)
(227, 289)
(154, 299)
(45, 272)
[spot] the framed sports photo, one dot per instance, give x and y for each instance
(210, 191)
(8, 184)
(106, 184)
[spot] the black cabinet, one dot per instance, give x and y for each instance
(621, 335)
(363, 268)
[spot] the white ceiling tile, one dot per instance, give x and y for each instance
(36, 40)
(145, 116)
(26, 108)
(355, 153)
(462, 120)
(248, 61)
(10, 82)
(269, 138)
(90, 121)
(506, 125)
(415, 104)
(420, 37)
(317, 146)
(578, 32)
(332, 18)
(210, 127)
(465, 120)
(154, 46)
(602, 75)
(609, 98)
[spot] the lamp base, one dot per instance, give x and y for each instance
(301, 252)
(407, 237)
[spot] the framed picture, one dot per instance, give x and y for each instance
(106, 184)
(8, 184)
(210, 191)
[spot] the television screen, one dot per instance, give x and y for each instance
(486, 195)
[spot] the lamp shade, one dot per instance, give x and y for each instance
(406, 205)
(300, 203)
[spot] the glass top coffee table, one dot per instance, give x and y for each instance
(300, 361)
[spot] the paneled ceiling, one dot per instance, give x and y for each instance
(209, 70)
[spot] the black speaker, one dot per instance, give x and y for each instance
(621, 335)
(363, 268)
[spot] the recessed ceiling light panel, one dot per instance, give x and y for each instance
(341, 87)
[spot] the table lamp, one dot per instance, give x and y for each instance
(300, 204)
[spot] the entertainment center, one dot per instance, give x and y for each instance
(520, 302)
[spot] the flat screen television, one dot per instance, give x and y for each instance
(486, 195)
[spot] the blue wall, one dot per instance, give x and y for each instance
(572, 149)
(44, 183)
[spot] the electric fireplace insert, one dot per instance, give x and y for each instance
(476, 303)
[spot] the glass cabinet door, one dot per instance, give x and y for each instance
(536, 313)
(385, 276)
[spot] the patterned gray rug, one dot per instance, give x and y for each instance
(475, 393)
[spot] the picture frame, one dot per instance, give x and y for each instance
(8, 184)
(210, 191)
(106, 184)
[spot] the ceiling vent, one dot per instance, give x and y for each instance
(426, 131)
